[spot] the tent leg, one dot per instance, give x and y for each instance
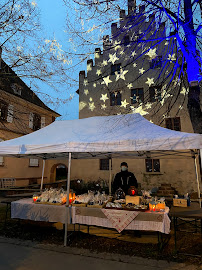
(67, 203)
(42, 175)
(110, 176)
(197, 179)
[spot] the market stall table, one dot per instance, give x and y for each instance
(26, 209)
(122, 219)
(187, 215)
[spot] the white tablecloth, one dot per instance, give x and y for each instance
(26, 209)
(144, 221)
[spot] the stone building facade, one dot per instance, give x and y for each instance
(21, 112)
(124, 78)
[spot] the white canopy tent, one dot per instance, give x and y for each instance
(111, 136)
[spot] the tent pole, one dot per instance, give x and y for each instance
(110, 176)
(197, 179)
(42, 175)
(67, 202)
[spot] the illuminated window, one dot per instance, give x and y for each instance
(137, 95)
(115, 98)
(115, 68)
(152, 165)
(104, 164)
(173, 123)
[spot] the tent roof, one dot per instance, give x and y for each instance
(98, 135)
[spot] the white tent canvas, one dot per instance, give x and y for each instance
(102, 134)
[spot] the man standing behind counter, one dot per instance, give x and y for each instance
(124, 179)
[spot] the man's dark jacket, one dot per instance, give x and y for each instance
(124, 180)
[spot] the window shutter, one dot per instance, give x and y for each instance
(33, 162)
(43, 121)
(10, 114)
(31, 120)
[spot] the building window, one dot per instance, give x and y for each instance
(137, 95)
(33, 162)
(104, 164)
(173, 123)
(115, 98)
(3, 110)
(156, 62)
(115, 68)
(152, 165)
(126, 40)
(154, 93)
(36, 121)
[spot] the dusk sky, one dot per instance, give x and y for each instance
(53, 15)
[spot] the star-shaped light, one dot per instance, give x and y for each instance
(141, 70)
(85, 82)
(151, 53)
(150, 81)
(86, 92)
(106, 80)
(171, 57)
(94, 85)
(98, 72)
(124, 103)
(121, 52)
(133, 53)
(89, 67)
(104, 63)
(183, 91)
(90, 99)
(130, 85)
(134, 65)
(82, 105)
(148, 105)
(140, 110)
(91, 106)
(180, 107)
(113, 58)
(103, 106)
(166, 43)
(121, 75)
(104, 97)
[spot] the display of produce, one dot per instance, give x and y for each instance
(51, 196)
(91, 199)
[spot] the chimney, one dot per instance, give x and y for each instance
(81, 78)
(122, 14)
(89, 65)
(142, 9)
(97, 55)
(114, 29)
(131, 6)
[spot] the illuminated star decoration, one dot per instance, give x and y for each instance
(140, 111)
(134, 65)
(150, 81)
(141, 70)
(130, 85)
(183, 91)
(91, 106)
(133, 53)
(89, 67)
(104, 63)
(124, 103)
(94, 85)
(171, 57)
(82, 105)
(148, 105)
(112, 58)
(85, 82)
(104, 97)
(103, 106)
(98, 72)
(86, 92)
(151, 53)
(106, 80)
(121, 75)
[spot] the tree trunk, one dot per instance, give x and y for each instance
(193, 68)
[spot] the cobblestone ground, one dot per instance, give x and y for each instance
(27, 255)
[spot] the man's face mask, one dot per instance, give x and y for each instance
(124, 168)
